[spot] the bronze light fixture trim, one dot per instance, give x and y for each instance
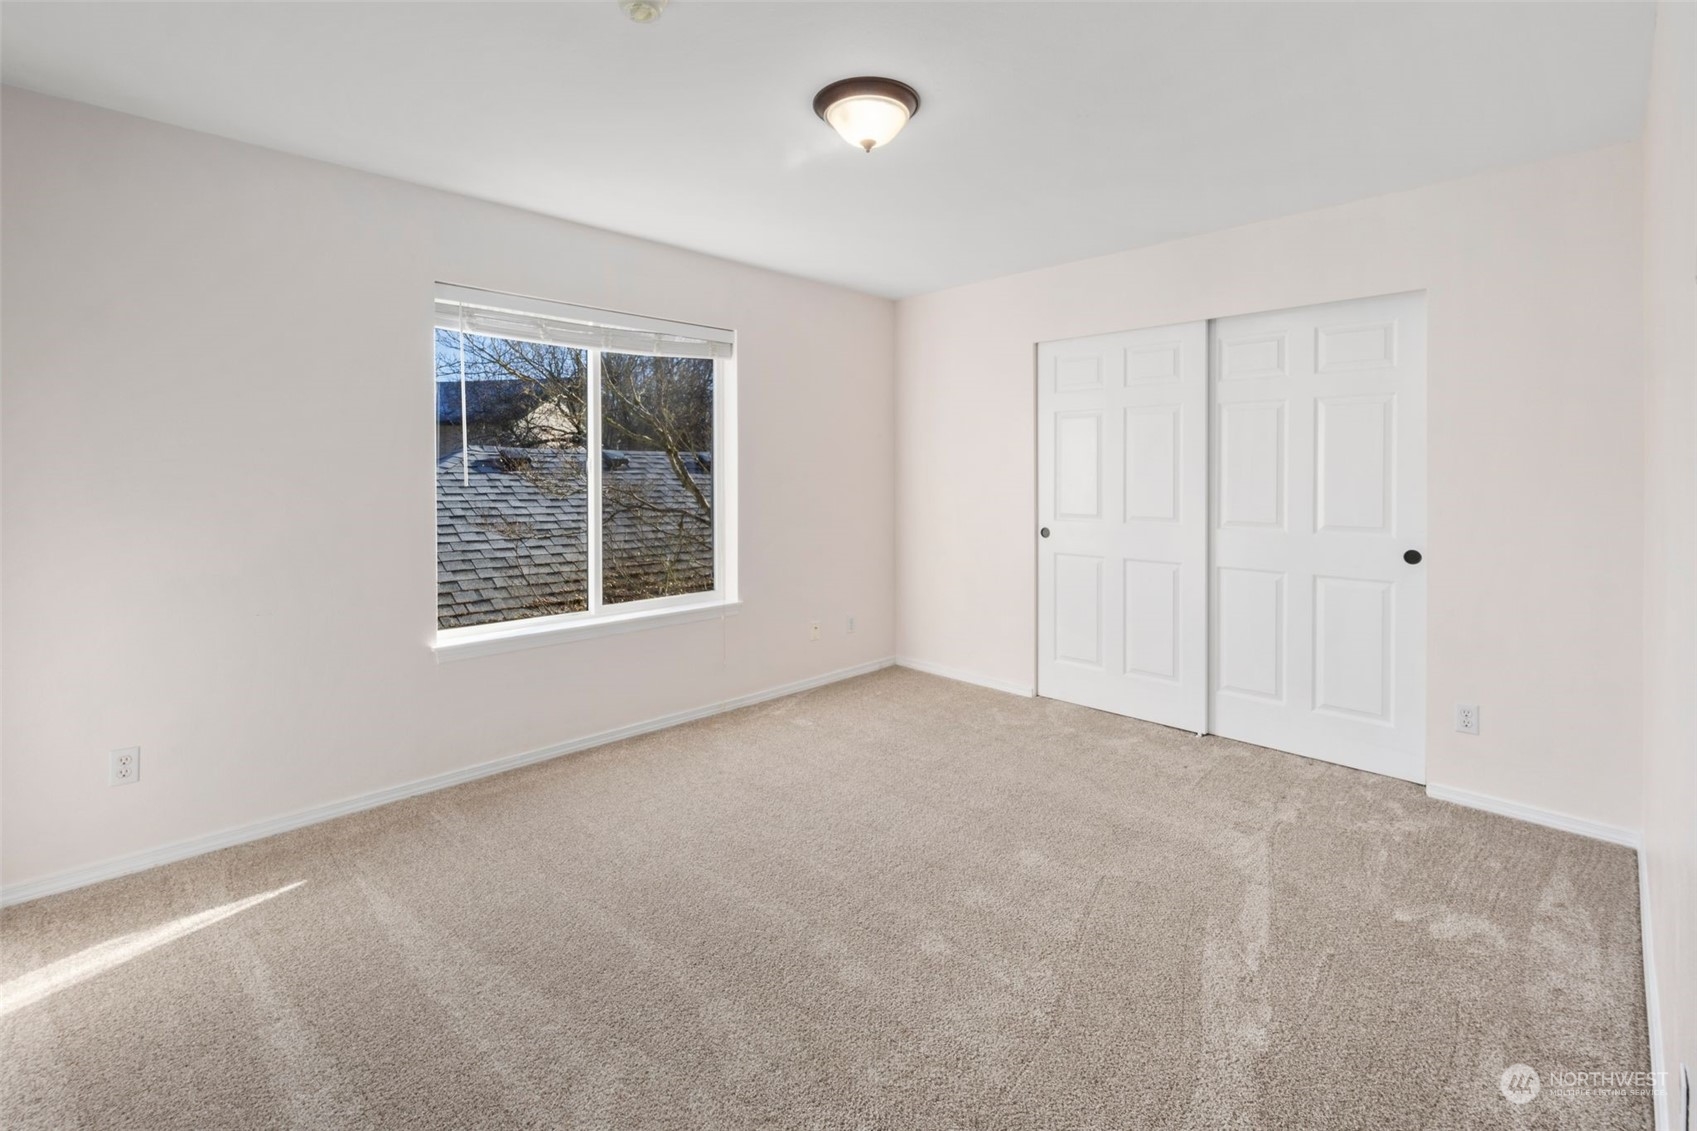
(867, 111)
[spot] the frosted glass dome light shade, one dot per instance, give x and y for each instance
(867, 112)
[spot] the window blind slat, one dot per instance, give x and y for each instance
(602, 331)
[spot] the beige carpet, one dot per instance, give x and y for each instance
(897, 902)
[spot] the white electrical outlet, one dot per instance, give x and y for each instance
(124, 766)
(813, 630)
(1467, 718)
(850, 625)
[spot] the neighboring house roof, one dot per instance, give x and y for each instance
(512, 542)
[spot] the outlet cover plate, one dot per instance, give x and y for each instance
(123, 767)
(1467, 718)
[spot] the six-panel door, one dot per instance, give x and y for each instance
(1318, 623)
(1122, 482)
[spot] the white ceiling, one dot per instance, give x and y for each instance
(1048, 132)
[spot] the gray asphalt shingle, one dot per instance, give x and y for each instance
(512, 541)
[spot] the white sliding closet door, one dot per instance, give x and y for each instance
(1318, 616)
(1122, 458)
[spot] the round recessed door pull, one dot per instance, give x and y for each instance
(1412, 557)
(1044, 532)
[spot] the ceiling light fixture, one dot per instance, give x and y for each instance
(868, 112)
(644, 11)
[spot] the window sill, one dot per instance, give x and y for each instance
(465, 643)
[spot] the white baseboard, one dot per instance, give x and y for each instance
(1596, 830)
(196, 846)
(1670, 1093)
(960, 676)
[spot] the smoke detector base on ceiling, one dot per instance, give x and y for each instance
(644, 11)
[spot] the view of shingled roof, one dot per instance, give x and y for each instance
(511, 539)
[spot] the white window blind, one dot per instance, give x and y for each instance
(536, 320)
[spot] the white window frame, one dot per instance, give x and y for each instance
(601, 619)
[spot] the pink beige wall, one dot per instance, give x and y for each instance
(1534, 283)
(219, 525)
(1670, 578)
